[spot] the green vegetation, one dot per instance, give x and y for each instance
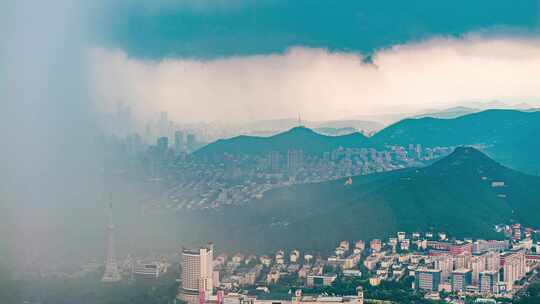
(296, 138)
(532, 295)
(454, 195)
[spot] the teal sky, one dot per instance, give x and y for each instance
(221, 28)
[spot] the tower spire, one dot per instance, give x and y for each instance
(111, 267)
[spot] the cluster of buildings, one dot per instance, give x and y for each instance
(487, 268)
(200, 278)
(480, 268)
(490, 268)
(235, 180)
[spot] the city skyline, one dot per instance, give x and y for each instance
(270, 151)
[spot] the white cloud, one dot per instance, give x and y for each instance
(320, 84)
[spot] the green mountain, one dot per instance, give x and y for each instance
(455, 195)
(509, 136)
(296, 138)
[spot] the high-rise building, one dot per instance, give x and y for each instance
(493, 261)
(295, 159)
(462, 260)
(445, 264)
(163, 124)
(427, 279)
(197, 274)
(273, 161)
(163, 144)
(487, 282)
(478, 264)
(190, 142)
(460, 279)
(514, 267)
(178, 141)
(111, 273)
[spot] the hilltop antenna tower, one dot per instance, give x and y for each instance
(111, 267)
(299, 121)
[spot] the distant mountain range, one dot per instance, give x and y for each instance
(510, 136)
(465, 194)
(334, 127)
(448, 113)
(474, 107)
(445, 111)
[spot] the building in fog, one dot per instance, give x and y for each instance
(148, 270)
(295, 159)
(191, 142)
(178, 141)
(197, 274)
(273, 161)
(162, 144)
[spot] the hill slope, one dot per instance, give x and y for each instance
(296, 138)
(454, 195)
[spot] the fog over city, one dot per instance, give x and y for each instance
(242, 122)
(58, 79)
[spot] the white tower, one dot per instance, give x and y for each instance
(111, 267)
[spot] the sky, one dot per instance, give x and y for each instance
(234, 61)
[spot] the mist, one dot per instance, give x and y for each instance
(56, 82)
(49, 163)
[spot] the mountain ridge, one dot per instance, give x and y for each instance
(296, 138)
(507, 135)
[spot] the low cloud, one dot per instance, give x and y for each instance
(321, 85)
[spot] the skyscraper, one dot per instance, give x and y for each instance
(163, 124)
(493, 261)
(111, 267)
(445, 264)
(514, 268)
(273, 159)
(197, 274)
(190, 142)
(478, 264)
(163, 144)
(178, 141)
(488, 281)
